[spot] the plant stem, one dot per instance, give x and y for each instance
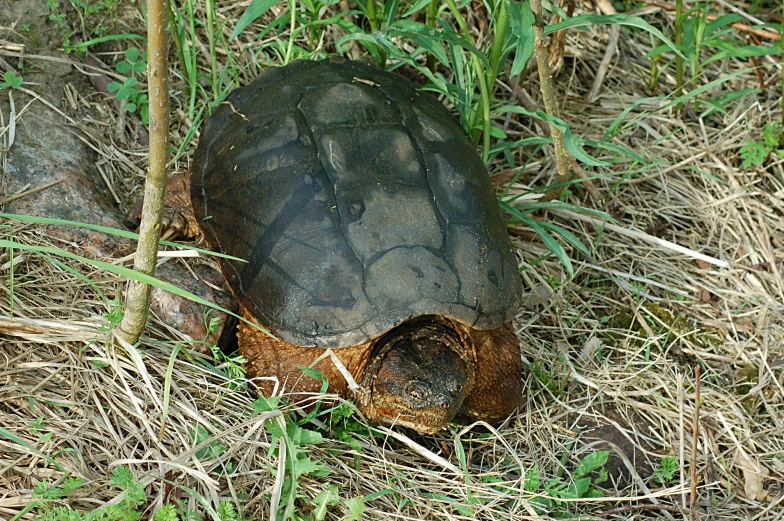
(550, 105)
(210, 6)
(485, 104)
(654, 73)
(138, 297)
(679, 44)
(290, 47)
(432, 16)
(371, 14)
(693, 465)
(373, 19)
(499, 37)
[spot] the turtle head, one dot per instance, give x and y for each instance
(418, 374)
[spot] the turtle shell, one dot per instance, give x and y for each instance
(357, 203)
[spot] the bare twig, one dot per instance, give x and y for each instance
(587, 183)
(693, 498)
(138, 297)
(529, 104)
(558, 41)
(550, 105)
(30, 192)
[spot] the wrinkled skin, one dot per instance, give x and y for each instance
(420, 375)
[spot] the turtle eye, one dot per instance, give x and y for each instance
(416, 392)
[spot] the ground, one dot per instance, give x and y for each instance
(687, 274)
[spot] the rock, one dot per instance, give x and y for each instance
(45, 152)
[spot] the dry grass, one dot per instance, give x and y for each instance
(615, 346)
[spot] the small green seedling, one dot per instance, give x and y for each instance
(11, 80)
(581, 485)
(755, 153)
(38, 426)
(667, 471)
(135, 100)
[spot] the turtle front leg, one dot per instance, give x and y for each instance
(178, 218)
(269, 359)
(497, 387)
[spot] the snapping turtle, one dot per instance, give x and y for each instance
(369, 226)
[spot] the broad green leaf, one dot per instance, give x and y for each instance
(436, 48)
(726, 99)
(619, 149)
(553, 245)
(612, 129)
(355, 505)
(720, 22)
(390, 11)
(306, 465)
(703, 88)
(532, 479)
(567, 235)
(450, 36)
(276, 24)
(578, 488)
(753, 154)
(521, 24)
(123, 67)
(325, 498)
(132, 54)
(426, 37)
(746, 51)
(591, 462)
(356, 37)
(307, 437)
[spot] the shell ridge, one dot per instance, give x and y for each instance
(308, 128)
(442, 220)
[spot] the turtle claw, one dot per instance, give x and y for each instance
(177, 221)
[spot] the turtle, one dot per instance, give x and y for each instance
(374, 246)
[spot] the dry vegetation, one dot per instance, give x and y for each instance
(611, 353)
